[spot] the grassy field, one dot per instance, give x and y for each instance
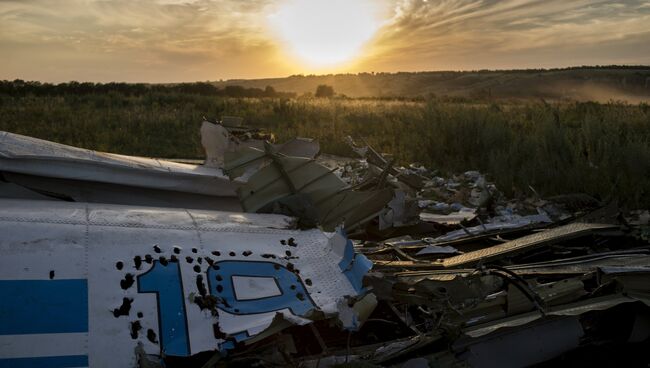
(599, 149)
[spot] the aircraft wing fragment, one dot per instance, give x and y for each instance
(106, 279)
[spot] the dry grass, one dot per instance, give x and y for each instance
(599, 149)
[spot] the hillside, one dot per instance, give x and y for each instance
(631, 83)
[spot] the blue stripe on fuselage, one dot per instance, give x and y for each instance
(46, 362)
(43, 306)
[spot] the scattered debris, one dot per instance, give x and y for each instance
(300, 187)
(372, 264)
(436, 249)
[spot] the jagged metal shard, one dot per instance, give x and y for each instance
(274, 177)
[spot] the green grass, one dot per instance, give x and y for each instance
(599, 149)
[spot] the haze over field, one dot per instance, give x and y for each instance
(190, 40)
(631, 84)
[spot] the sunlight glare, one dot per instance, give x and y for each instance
(326, 32)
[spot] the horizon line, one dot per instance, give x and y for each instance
(373, 73)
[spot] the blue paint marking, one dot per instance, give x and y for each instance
(354, 266)
(240, 336)
(43, 306)
(348, 255)
(296, 299)
(228, 345)
(46, 362)
(166, 283)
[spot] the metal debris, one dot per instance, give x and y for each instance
(59, 172)
(303, 188)
(409, 267)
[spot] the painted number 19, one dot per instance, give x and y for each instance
(166, 282)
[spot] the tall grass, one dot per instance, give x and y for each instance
(599, 149)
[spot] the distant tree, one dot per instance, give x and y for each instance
(235, 91)
(269, 91)
(325, 91)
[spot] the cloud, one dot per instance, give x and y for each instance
(475, 34)
(186, 40)
(176, 37)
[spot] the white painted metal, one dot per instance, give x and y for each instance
(48, 240)
(32, 156)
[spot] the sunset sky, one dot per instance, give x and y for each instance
(176, 41)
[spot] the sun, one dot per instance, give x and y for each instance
(325, 32)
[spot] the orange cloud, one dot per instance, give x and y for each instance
(184, 40)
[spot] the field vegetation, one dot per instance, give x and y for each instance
(602, 149)
(589, 83)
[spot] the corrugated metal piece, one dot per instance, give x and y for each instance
(525, 243)
(333, 200)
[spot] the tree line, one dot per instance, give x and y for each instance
(20, 87)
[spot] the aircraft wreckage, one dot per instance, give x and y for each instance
(275, 255)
